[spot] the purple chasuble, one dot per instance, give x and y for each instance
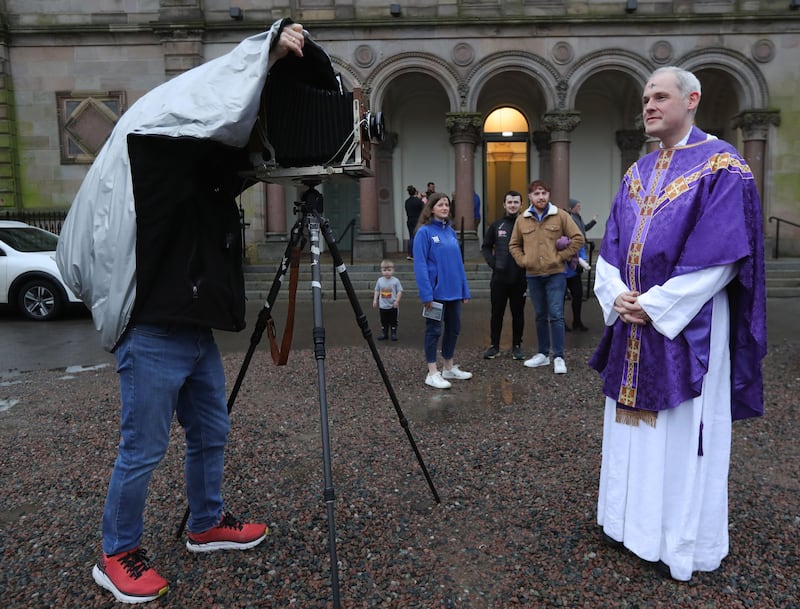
(680, 210)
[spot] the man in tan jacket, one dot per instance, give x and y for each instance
(533, 246)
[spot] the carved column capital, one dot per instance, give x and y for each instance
(629, 140)
(541, 139)
(389, 142)
(464, 127)
(755, 123)
(560, 124)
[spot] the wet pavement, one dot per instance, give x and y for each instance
(513, 453)
(72, 341)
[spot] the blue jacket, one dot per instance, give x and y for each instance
(438, 267)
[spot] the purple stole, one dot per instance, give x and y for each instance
(680, 210)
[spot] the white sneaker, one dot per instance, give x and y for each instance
(559, 367)
(436, 381)
(456, 373)
(540, 359)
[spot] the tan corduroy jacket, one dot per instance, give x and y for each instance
(533, 243)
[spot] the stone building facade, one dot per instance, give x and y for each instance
(478, 96)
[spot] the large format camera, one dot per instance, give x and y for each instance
(310, 126)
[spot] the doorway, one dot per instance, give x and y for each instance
(506, 160)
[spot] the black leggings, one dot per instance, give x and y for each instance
(575, 289)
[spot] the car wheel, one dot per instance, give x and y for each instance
(40, 300)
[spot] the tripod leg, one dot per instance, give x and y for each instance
(361, 320)
(258, 331)
(319, 354)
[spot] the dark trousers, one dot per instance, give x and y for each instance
(575, 289)
(512, 294)
(411, 228)
(388, 319)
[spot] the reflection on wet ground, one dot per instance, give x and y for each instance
(483, 397)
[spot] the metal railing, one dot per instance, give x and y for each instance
(350, 228)
(590, 254)
(49, 220)
(778, 231)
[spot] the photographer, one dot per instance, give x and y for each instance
(159, 270)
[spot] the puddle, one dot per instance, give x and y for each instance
(6, 404)
(468, 399)
(14, 514)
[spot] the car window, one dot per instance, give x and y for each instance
(29, 239)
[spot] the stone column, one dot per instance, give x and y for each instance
(181, 36)
(375, 202)
(755, 132)
(560, 124)
(630, 142)
(541, 139)
(9, 162)
(276, 233)
(369, 244)
(465, 133)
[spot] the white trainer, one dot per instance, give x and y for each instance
(456, 373)
(540, 359)
(559, 366)
(436, 381)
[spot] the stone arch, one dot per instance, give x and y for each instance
(419, 63)
(749, 82)
(350, 77)
(621, 60)
(539, 69)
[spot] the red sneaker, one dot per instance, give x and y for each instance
(129, 577)
(229, 534)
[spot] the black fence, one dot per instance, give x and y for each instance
(48, 220)
(53, 220)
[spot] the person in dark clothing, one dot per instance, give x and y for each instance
(508, 282)
(414, 205)
(574, 279)
(575, 212)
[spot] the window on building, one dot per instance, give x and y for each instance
(85, 121)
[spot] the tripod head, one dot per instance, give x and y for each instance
(311, 200)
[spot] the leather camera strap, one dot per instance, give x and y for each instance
(281, 356)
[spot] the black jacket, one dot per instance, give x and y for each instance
(495, 251)
(188, 241)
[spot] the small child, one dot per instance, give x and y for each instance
(388, 291)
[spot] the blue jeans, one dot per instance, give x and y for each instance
(547, 296)
(166, 369)
(449, 329)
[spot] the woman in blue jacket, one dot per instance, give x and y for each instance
(439, 271)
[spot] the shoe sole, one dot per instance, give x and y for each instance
(213, 546)
(102, 580)
(564, 371)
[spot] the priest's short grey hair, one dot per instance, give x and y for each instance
(686, 81)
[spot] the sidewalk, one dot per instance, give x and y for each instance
(341, 327)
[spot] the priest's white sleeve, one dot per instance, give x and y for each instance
(607, 286)
(673, 305)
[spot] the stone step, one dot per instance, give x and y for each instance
(783, 279)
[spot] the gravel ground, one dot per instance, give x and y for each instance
(514, 454)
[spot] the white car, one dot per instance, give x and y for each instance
(29, 277)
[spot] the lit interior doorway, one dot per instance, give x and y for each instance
(506, 142)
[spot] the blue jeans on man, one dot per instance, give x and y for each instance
(165, 370)
(547, 295)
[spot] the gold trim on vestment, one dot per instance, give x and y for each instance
(633, 416)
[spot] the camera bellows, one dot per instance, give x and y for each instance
(307, 125)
